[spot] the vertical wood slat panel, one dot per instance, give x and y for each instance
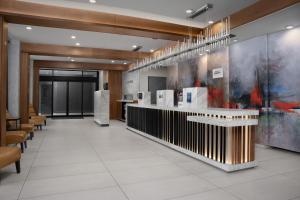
(36, 89)
(24, 87)
(115, 89)
(3, 78)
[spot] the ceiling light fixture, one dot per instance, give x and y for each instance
(28, 27)
(92, 1)
(77, 44)
(189, 11)
(289, 27)
(73, 37)
(210, 22)
(200, 54)
(72, 60)
(151, 50)
(125, 63)
(134, 46)
(200, 11)
(235, 40)
(112, 61)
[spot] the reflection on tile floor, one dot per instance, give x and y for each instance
(76, 159)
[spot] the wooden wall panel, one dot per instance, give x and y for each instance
(78, 65)
(36, 89)
(21, 12)
(115, 88)
(83, 52)
(24, 87)
(3, 78)
(257, 10)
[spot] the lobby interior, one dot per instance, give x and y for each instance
(158, 100)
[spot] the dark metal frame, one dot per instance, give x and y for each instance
(52, 78)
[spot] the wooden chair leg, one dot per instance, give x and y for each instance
(31, 135)
(22, 147)
(45, 122)
(18, 166)
(25, 144)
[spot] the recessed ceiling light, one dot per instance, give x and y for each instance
(92, 1)
(151, 50)
(289, 27)
(189, 11)
(134, 46)
(28, 27)
(125, 63)
(210, 22)
(200, 54)
(112, 61)
(77, 44)
(73, 37)
(72, 60)
(207, 50)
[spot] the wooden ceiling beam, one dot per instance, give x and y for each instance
(78, 65)
(258, 10)
(83, 52)
(29, 13)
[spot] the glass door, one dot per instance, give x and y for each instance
(75, 98)
(60, 96)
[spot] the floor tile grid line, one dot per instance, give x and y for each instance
(192, 173)
(207, 179)
(191, 194)
(62, 193)
(69, 175)
(35, 156)
(110, 173)
(217, 187)
(296, 198)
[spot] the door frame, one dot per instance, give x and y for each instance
(52, 78)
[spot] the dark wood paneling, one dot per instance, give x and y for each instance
(61, 17)
(36, 89)
(115, 88)
(78, 65)
(24, 87)
(3, 78)
(84, 52)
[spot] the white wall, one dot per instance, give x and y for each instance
(13, 76)
(161, 72)
(136, 81)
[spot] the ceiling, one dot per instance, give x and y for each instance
(172, 11)
(45, 35)
(271, 23)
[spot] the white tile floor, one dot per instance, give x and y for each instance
(76, 159)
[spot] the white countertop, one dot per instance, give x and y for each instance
(223, 122)
(125, 100)
(210, 111)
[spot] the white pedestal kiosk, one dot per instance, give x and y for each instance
(101, 107)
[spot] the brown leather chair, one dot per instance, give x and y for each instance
(10, 155)
(12, 124)
(16, 137)
(33, 114)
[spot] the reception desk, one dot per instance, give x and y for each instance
(224, 138)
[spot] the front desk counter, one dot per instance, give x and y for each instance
(224, 138)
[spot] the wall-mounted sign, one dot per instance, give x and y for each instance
(217, 73)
